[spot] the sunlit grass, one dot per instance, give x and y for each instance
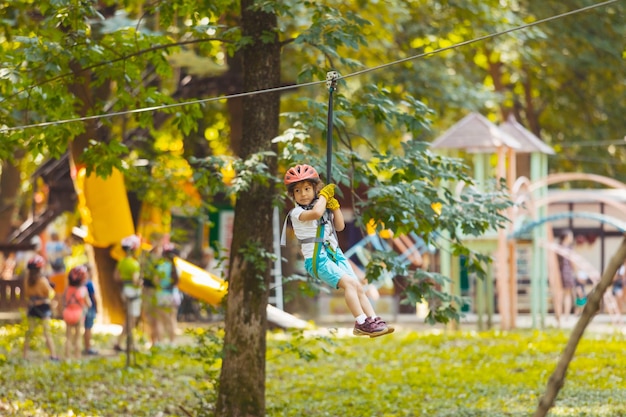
(406, 374)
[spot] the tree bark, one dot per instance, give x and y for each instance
(557, 379)
(242, 379)
(111, 308)
(9, 190)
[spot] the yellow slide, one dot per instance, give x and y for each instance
(211, 289)
(199, 283)
(103, 207)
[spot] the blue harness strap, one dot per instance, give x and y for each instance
(319, 236)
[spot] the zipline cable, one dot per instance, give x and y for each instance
(482, 38)
(290, 87)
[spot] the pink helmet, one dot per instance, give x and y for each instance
(131, 242)
(78, 273)
(170, 249)
(36, 262)
(301, 173)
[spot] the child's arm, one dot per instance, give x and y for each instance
(175, 277)
(338, 220)
(116, 275)
(137, 278)
(50, 289)
(86, 297)
(316, 212)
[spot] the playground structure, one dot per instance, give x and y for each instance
(599, 206)
(535, 213)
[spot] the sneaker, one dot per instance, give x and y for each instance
(379, 320)
(118, 348)
(90, 352)
(369, 327)
(390, 328)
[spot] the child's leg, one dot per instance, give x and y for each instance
(365, 302)
(348, 272)
(174, 321)
(150, 311)
(29, 333)
(68, 341)
(169, 323)
(76, 340)
(47, 335)
(567, 302)
(351, 289)
(120, 337)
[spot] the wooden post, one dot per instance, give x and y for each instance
(511, 247)
(502, 277)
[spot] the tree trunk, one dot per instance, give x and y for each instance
(556, 381)
(9, 188)
(242, 379)
(111, 307)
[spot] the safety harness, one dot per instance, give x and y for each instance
(318, 239)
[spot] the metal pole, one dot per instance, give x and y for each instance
(278, 271)
(331, 83)
(129, 333)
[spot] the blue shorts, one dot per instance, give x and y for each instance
(40, 311)
(90, 317)
(328, 270)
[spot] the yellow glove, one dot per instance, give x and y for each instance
(332, 204)
(328, 192)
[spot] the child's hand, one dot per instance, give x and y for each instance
(332, 204)
(328, 191)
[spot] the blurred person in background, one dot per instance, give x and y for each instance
(56, 251)
(39, 294)
(168, 296)
(128, 273)
(90, 317)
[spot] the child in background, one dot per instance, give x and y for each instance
(75, 304)
(580, 291)
(39, 294)
(167, 295)
(90, 317)
(56, 251)
(150, 262)
(128, 273)
(323, 258)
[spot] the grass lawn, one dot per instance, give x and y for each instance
(431, 374)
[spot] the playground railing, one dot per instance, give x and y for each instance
(11, 294)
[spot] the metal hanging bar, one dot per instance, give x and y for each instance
(331, 84)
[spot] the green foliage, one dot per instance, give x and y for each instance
(206, 350)
(208, 174)
(255, 255)
(302, 347)
(103, 157)
(432, 373)
(557, 78)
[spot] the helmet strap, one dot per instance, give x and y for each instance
(310, 205)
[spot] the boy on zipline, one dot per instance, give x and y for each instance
(315, 226)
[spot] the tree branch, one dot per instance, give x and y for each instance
(113, 61)
(556, 381)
